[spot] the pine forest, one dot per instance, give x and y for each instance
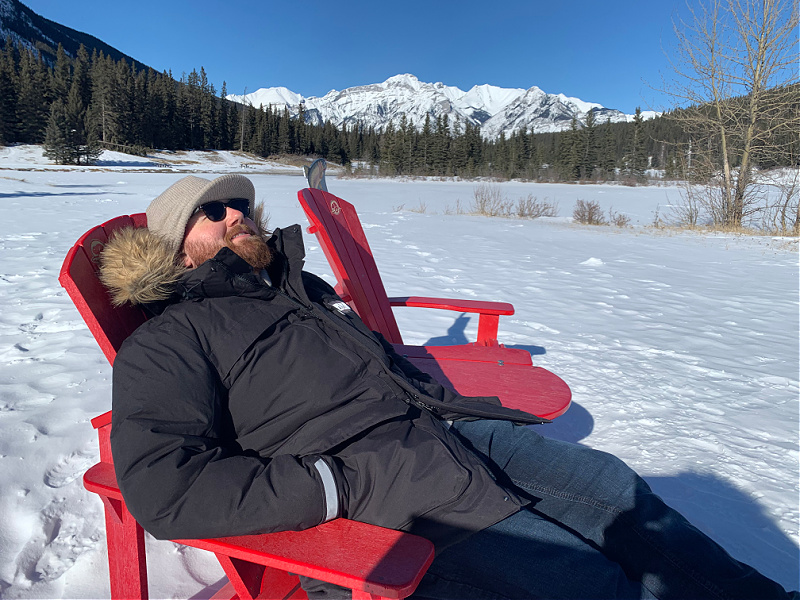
(78, 106)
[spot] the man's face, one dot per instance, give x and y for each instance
(204, 238)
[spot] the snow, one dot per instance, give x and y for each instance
(26, 157)
(681, 349)
(489, 98)
(582, 106)
(273, 96)
(496, 109)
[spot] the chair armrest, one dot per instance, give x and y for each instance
(102, 480)
(358, 556)
(354, 555)
(489, 312)
(471, 306)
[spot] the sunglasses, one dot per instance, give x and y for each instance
(215, 211)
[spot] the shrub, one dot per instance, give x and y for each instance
(588, 213)
(489, 201)
(617, 219)
(531, 207)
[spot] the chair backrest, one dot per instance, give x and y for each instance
(110, 325)
(338, 229)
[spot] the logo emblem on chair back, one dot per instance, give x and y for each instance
(335, 208)
(96, 248)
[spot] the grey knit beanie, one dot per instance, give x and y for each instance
(168, 214)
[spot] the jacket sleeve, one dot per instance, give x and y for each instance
(179, 468)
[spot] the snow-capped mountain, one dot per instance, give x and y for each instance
(31, 30)
(494, 109)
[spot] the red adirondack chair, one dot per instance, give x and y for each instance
(338, 229)
(481, 368)
(373, 562)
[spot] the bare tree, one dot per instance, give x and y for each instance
(735, 71)
(783, 211)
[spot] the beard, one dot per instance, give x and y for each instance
(253, 250)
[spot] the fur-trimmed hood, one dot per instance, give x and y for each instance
(139, 267)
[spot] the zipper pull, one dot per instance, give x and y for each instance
(414, 399)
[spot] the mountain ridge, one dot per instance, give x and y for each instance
(493, 109)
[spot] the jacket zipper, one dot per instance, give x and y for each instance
(411, 392)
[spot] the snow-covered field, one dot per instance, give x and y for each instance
(681, 349)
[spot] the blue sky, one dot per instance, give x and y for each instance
(611, 53)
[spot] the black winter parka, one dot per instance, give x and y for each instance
(225, 402)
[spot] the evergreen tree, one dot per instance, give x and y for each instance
(32, 108)
(426, 146)
(589, 155)
(501, 155)
(331, 143)
(459, 150)
(441, 145)
(60, 76)
(475, 145)
(141, 131)
(388, 160)
(123, 93)
(223, 131)
(75, 119)
(302, 130)
(102, 116)
(372, 147)
(153, 108)
(284, 133)
(570, 152)
(165, 100)
(207, 112)
(638, 161)
(8, 93)
(355, 139)
(66, 138)
(56, 146)
(234, 124)
(81, 74)
(609, 152)
(259, 141)
(512, 156)
(273, 131)
(402, 147)
(189, 103)
(84, 145)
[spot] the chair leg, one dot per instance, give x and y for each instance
(226, 592)
(127, 565)
(487, 329)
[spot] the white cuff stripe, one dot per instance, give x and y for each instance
(329, 484)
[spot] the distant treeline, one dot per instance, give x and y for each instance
(78, 106)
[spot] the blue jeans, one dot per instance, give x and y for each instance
(594, 529)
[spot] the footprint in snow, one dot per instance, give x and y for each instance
(69, 468)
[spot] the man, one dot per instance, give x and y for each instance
(256, 401)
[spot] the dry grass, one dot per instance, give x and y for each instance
(590, 213)
(488, 200)
(618, 219)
